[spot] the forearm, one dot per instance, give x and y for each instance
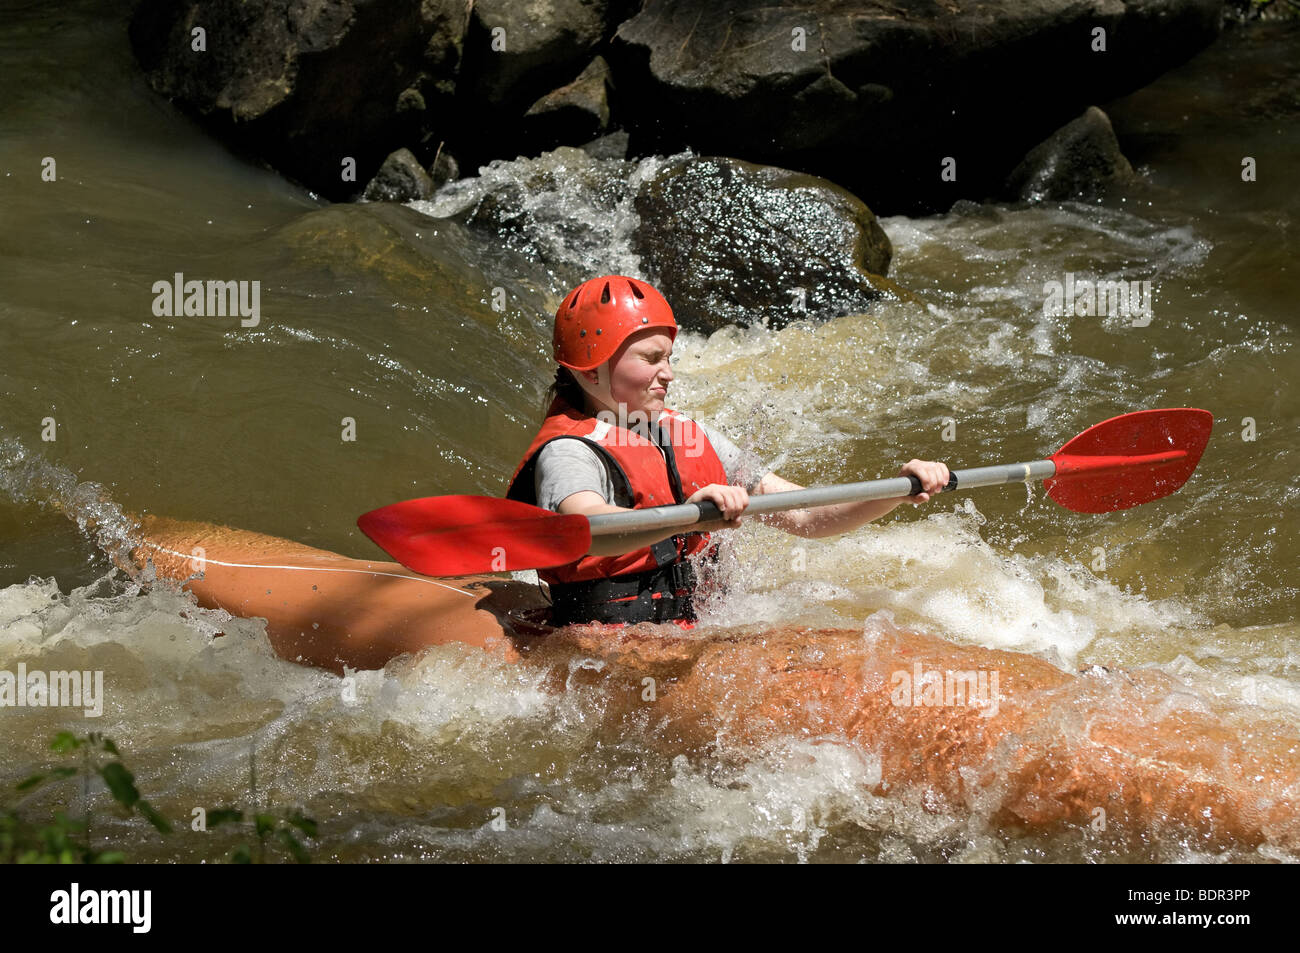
(831, 520)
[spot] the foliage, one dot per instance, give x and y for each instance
(270, 829)
(66, 840)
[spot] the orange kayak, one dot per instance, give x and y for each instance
(958, 728)
(333, 612)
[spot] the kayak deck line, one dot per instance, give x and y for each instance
(373, 572)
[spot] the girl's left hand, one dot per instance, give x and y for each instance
(933, 476)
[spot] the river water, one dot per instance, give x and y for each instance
(384, 315)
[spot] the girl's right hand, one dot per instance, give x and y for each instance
(731, 500)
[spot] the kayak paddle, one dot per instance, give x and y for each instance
(1116, 464)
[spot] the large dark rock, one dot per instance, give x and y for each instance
(576, 112)
(731, 242)
(872, 95)
(726, 241)
(388, 249)
(400, 179)
(305, 85)
(612, 146)
(519, 48)
(875, 95)
(308, 85)
(1081, 160)
(533, 78)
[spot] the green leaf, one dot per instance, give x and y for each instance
(303, 823)
(160, 823)
(109, 857)
(120, 783)
(224, 815)
(295, 847)
(265, 824)
(65, 741)
(36, 780)
(111, 748)
(240, 855)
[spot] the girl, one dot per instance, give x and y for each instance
(609, 443)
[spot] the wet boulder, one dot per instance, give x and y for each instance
(611, 146)
(517, 48)
(576, 112)
(732, 242)
(912, 105)
(400, 179)
(388, 249)
(324, 91)
(532, 78)
(1081, 160)
(564, 209)
(444, 168)
(726, 241)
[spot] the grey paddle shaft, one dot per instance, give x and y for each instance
(684, 514)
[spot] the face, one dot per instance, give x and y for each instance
(639, 372)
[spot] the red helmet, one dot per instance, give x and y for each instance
(599, 315)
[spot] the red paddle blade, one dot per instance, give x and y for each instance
(464, 535)
(1129, 460)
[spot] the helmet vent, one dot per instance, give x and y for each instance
(635, 290)
(573, 302)
(604, 295)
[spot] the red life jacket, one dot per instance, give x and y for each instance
(650, 476)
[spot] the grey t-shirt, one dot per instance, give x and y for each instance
(565, 467)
